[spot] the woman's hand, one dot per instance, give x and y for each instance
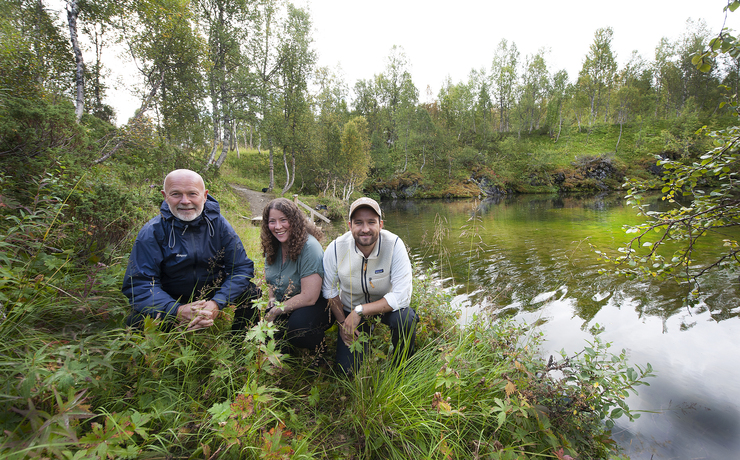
(275, 309)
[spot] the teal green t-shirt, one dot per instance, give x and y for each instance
(285, 278)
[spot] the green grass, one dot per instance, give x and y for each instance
(252, 169)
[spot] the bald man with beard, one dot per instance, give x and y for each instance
(188, 263)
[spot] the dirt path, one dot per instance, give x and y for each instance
(257, 200)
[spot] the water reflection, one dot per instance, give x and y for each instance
(531, 257)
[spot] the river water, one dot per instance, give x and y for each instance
(531, 257)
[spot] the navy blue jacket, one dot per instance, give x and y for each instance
(174, 262)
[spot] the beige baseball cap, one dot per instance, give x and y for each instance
(364, 201)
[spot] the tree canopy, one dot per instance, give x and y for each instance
(214, 72)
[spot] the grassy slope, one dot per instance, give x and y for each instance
(515, 162)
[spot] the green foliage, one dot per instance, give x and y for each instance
(725, 42)
(702, 194)
(483, 395)
(140, 391)
(31, 253)
(58, 236)
(105, 214)
(36, 128)
(34, 57)
(351, 168)
(437, 320)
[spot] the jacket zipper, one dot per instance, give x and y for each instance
(365, 289)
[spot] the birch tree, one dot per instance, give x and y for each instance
(504, 79)
(597, 74)
(162, 46)
(72, 14)
(297, 59)
(355, 165)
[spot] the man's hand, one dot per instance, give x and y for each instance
(348, 330)
(197, 315)
(212, 307)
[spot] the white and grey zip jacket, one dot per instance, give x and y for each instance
(386, 272)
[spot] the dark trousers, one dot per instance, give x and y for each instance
(403, 336)
(305, 327)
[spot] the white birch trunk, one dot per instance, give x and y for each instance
(72, 14)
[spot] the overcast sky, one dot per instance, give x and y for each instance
(454, 37)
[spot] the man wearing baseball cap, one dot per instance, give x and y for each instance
(367, 273)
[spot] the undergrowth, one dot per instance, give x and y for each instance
(75, 384)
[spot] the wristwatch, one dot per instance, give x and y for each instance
(358, 310)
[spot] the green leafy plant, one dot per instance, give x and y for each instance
(442, 402)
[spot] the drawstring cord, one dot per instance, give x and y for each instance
(171, 242)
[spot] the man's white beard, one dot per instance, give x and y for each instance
(184, 218)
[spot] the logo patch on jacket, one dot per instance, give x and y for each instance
(380, 270)
(181, 255)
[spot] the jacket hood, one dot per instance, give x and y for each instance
(211, 210)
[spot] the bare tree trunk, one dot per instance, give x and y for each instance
(216, 133)
(591, 117)
(214, 148)
(291, 176)
(232, 137)
(211, 156)
(348, 188)
(225, 145)
(222, 157)
(560, 122)
(272, 166)
(287, 172)
(235, 136)
(72, 14)
(406, 146)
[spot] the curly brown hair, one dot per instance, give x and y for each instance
(300, 228)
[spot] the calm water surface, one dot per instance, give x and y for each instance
(531, 257)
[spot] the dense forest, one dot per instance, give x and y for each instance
(223, 73)
(231, 89)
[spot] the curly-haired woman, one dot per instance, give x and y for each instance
(294, 272)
